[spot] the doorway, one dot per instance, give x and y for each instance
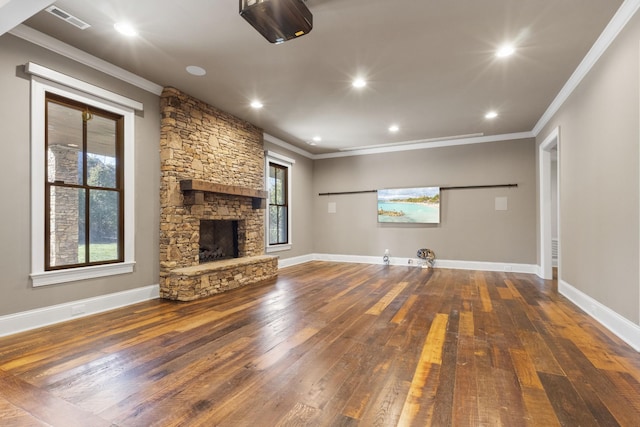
(549, 205)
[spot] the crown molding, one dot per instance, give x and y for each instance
(417, 145)
(280, 143)
(411, 145)
(68, 51)
(609, 34)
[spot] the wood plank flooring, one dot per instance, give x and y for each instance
(330, 344)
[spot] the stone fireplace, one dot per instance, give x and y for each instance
(212, 180)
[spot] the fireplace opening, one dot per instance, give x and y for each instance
(218, 240)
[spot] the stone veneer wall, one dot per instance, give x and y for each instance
(198, 141)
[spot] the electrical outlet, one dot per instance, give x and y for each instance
(78, 309)
(386, 251)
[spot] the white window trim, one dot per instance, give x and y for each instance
(272, 157)
(44, 80)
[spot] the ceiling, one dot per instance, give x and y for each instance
(430, 65)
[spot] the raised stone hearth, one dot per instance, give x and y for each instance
(212, 168)
(202, 280)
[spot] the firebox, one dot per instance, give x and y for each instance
(218, 240)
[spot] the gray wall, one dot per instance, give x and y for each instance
(470, 229)
(302, 197)
(599, 135)
(15, 256)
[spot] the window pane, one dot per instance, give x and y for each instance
(280, 186)
(272, 189)
(273, 225)
(277, 184)
(101, 152)
(64, 144)
(65, 222)
(282, 225)
(103, 225)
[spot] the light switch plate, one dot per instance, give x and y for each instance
(501, 203)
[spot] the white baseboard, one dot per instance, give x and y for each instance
(288, 262)
(356, 259)
(626, 330)
(415, 262)
(488, 266)
(23, 321)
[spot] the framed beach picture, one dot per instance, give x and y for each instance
(419, 205)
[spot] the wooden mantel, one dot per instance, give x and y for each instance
(194, 190)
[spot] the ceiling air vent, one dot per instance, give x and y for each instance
(56, 11)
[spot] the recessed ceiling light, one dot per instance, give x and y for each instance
(311, 143)
(256, 104)
(491, 115)
(359, 82)
(505, 50)
(394, 128)
(196, 71)
(125, 28)
(317, 138)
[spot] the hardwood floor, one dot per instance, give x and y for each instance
(330, 344)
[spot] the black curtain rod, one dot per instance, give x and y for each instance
(465, 187)
(347, 192)
(472, 187)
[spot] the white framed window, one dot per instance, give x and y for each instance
(46, 83)
(278, 173)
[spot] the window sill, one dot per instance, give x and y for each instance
(80, 273)
(278, 248)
